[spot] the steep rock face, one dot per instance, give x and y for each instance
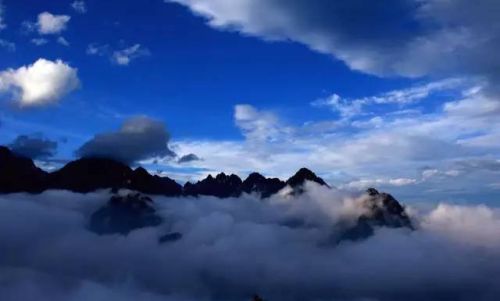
(266, 187)
(222, 186)
(383, 210)
(123, 214)
(19, 174)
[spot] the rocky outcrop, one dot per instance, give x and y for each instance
(257, 183)
(123, 214)
(382, 210)
(222, 186)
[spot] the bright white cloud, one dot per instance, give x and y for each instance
(41, 83)
(124, 56)
(79, 6)
(51, 24)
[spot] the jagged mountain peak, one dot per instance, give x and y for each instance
(302, 175)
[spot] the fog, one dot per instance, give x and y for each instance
(233, 248)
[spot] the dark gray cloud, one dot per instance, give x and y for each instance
(233, 248)
(188, 158)
(34, 147)
(139, 138)
(408, 37)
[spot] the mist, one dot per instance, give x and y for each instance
(231, 249)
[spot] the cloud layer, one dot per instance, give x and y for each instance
(234, 248)
(408, 38)
(41, 83)
(139, 138)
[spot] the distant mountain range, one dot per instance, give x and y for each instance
(123, 214)
(20, 174)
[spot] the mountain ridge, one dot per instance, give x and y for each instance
(89, 174)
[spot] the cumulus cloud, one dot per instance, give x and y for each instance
(139, 138)
(408, 38)
(79, 6)
(34, 146)
(275, 248)
(51, 24)
(124, 56)
(41, 83)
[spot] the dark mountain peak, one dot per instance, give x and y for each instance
(89, 174)
(123, 214)
(20, 174)
(256, 182)
(222, 186)
(302, 175)
(255, 177)
(383, 210)
(372, 192)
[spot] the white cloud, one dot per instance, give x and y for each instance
(41, 83)
(79, 6)
(51, 24)
(124, 56)
(389, 150)
(455, 248)
(348, 108)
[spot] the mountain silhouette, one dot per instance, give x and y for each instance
(19, 174)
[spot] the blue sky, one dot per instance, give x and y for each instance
(398, 95)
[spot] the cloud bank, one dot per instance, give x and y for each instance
(408, 38)
(139, 138)
(234, 248)
(44, 82)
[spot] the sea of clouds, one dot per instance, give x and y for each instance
(280, 248)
